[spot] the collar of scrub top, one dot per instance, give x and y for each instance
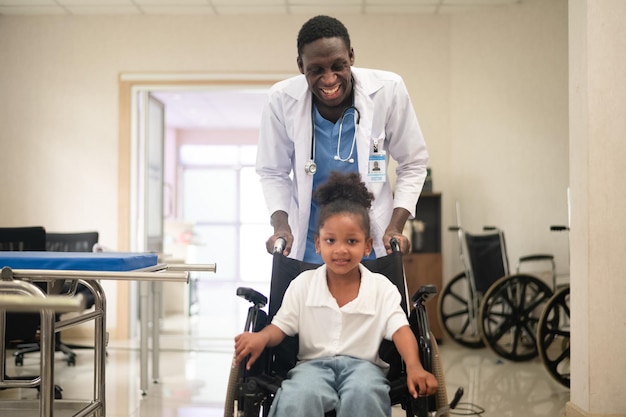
(311, 167)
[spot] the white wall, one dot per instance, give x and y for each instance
(489, 88)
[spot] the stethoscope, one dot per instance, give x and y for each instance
(311, 167)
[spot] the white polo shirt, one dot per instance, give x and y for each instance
(326, 330)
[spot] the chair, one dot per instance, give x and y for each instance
(64, 242)
(250, 392)
(487, 304)
(74, 242)
(71, 242)
(23, 327)
(22, 238)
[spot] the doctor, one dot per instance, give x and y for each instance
(336, 117)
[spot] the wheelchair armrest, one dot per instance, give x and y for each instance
(423, 294)
(536, 257)
(252, 296)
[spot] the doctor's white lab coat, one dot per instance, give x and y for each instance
(285, 147)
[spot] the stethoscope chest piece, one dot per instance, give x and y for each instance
(311, 167)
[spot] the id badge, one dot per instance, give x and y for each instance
(377, 169)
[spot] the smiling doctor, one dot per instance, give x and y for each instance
(336, 117)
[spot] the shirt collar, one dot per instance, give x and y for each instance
(320, 296)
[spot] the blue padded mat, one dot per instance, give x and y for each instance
(78, 261)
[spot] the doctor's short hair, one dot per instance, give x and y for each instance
(344, 193)
(320, 27)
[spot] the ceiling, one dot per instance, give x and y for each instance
(218, 109)
(239, 108)
(241, 7)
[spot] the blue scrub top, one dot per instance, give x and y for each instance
(326, 138)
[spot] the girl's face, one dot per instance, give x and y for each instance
(342, 242)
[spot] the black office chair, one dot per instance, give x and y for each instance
(74, 242)
(65, 242)
(23, 327)
(71, 242)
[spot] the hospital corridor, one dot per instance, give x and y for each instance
(473, 147)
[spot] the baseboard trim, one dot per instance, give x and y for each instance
(572, 410)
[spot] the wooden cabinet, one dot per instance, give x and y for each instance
(422, 269)
(424, 265)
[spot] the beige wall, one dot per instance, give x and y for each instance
(489, 88)
(508, 154)
(597, 153)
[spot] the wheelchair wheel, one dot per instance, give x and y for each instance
(509, 313)
(553, 336)
(231, 394)
(458, 312)
(441, 399)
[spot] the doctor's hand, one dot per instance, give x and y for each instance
(405, 244)
(399, 217)
(286, 235)
(281, 230)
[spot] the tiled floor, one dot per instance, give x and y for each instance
(196, 357)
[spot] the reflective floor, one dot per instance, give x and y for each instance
(196, 355)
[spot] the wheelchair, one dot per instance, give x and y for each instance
(553, 331)
(486, 305)
(251, 392)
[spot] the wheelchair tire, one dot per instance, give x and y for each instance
(456, 313)
(553, 336)
(231, 391)
(509, 315)
(441, 399)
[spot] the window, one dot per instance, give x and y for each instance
(222, 197)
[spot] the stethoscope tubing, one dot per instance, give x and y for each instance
(311, 167)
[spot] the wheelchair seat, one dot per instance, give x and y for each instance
(251, 392)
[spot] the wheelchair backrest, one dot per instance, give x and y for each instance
(487, 258)
(285, 270)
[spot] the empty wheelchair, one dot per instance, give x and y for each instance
(251, 392)
(553, 331)
(486, 305)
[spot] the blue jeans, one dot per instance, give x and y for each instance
(353, 387)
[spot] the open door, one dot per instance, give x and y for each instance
(146, 220)
(147, 211)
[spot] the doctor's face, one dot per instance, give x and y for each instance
(326, 65)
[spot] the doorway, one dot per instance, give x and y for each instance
(211, 193)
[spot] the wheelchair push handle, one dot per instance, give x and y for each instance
(279, 245)
(559, 228)
(395, 244)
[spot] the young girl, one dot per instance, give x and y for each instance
(341, 312)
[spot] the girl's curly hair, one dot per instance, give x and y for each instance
(344, 193)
